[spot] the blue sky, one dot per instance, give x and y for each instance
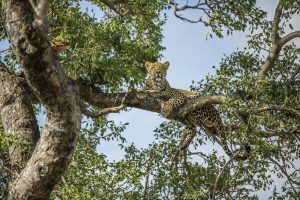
(191, 57)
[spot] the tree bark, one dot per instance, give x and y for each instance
(17, 116)
(54, 90)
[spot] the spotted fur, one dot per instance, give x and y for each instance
(206, 116)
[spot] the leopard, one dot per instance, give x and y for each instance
(171, 99)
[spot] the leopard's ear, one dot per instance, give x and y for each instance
(166, 65)
(148, 65)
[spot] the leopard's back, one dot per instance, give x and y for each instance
(206, 115)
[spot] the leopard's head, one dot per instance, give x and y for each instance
(156, 76)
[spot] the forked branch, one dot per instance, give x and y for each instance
(277, 42)
(41, 11)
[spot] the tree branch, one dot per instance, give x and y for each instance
(147, 173)
(55, 91)
(289, 37)
(102, 112)
(277, 42)
(221, 172)
(111, 4)
(185, 7)
(96, 97)
(17, 116)
(108, 110)
(290, 112)
(276, 21)
(41, 14)
(275, 48)
(284, 172)
(195, 103)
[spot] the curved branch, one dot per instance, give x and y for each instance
(284, 172)
(276, 21)
(289, 37)
(59, 95)
(185, 7)
(277, 42)
(289, 111)
(275, 48)
(98, 98)
(17, 116)
(195, 103)
(198, 102)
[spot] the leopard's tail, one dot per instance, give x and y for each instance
(220, 131)
(225, 146)
(245, 156)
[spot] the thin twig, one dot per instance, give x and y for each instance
(8, 49)
(284, 172)
(267, 107)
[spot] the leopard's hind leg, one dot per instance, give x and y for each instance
(187, 137)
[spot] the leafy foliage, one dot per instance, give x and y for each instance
(109, 51)
(223, 17)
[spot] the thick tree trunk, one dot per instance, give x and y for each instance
(55, 91)
(17, 116)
